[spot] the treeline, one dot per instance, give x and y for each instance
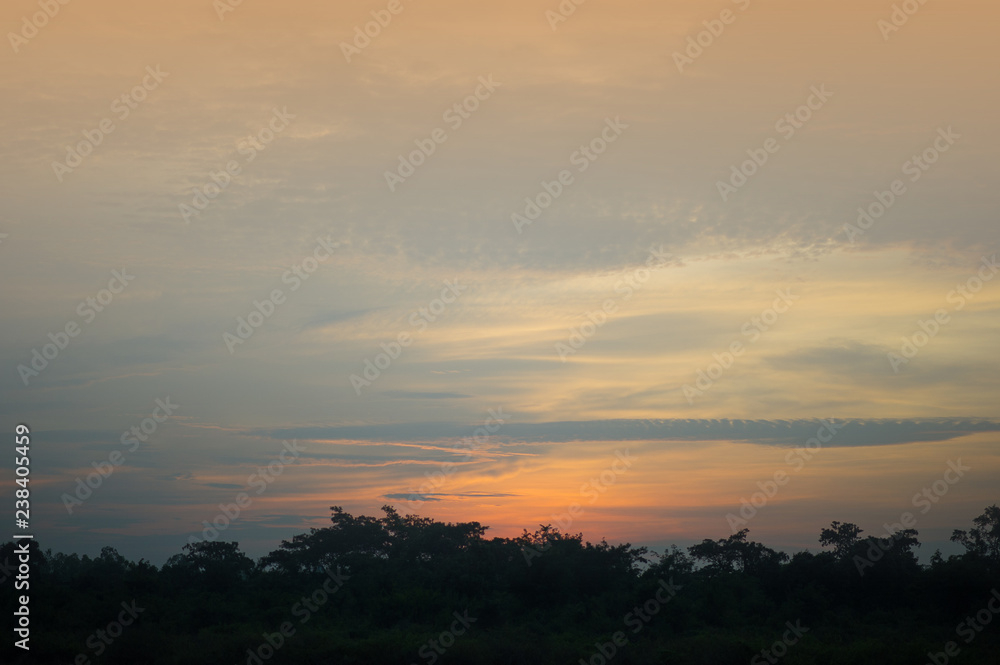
(402, 589)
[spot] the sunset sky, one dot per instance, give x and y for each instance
(504, 222)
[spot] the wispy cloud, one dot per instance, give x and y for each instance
(853, 432)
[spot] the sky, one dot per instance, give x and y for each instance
(617, 267)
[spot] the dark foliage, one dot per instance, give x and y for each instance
(389, 589)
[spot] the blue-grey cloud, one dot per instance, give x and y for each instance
(848, 432)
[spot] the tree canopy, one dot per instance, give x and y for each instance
(385, 589)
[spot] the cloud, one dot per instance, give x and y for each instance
(841, 356)
(414, 394)
(327, 318)
(851, 432)
(440, 496)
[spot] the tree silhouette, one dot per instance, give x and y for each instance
(842, 537)
(375, 589)
(736, 553)
(984, 538)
